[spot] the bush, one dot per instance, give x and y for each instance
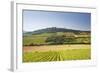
(56, 39)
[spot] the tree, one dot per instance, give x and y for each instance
(56, 39)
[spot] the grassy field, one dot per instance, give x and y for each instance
(56, 53)
(41, 38)
(56, 46)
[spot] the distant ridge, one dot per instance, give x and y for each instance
(55, 29)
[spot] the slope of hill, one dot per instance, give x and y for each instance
(56, 36)
(54, 29)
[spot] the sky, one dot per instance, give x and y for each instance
(34, 20)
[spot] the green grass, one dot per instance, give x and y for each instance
(35, 40)
(61, 55)
(41, 38)
(43, 53)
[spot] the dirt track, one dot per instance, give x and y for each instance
(54, 47)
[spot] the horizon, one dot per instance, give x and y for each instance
(37, 20)
(55, 27)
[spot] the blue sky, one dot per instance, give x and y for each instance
(34, 20)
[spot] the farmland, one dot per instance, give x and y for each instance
(68, 38)
(56, 53)
(56, 44)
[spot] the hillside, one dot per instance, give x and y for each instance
(51, 36)
(54, 29)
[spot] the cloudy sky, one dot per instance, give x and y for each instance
(34, 20)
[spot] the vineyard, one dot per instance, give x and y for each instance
(43, 55)
(56, 44)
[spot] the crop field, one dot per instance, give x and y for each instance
(56, 53)
(56, 46)
(56, 38)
